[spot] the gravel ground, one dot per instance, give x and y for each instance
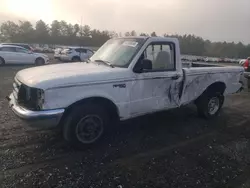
(168, 149)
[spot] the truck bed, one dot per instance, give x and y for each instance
(199, 76)
(192, 64)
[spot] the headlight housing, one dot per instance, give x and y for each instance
(31, 98)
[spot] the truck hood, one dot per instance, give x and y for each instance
(63, 75)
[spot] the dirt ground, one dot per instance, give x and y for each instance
(169, 149)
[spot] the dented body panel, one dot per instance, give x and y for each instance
(199, 79)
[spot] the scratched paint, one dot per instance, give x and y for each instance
(195, 85)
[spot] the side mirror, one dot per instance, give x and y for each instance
(142, 65)
(147, 64)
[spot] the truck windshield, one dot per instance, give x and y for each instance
(118, 52)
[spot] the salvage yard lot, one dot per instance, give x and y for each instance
(168, 149)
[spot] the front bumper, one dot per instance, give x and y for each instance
(47, 61)
(38, 119)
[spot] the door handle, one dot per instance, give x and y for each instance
(175, 77)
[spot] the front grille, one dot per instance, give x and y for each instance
(25, 96)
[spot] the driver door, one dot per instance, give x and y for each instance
(157, 88)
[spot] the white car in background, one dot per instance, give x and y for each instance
(57, 53)
(75, 54)
(10, 54)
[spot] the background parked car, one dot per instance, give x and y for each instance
(38, 49)
(26, 46)
(48, 50)
(75, 54)
(10, 54)
(246, 65)
(57, 53)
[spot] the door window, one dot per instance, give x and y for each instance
(81, 50)
(8, 49)
(21, 50)
(162, 56)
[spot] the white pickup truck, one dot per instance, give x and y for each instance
(125, 78)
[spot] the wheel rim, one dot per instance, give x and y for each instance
(213, 105)
(89, 129)
(1, 62)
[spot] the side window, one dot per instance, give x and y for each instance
(26, 47)
(21, 50)
(8, 49)
(161, 55)
(90, 52)
(83, 50)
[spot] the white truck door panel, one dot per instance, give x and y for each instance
(156, 88)
(141, 95)
(166, 90)
(155, 91)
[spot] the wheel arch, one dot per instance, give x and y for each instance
(216, 87)
(107, 103)
(39, 57)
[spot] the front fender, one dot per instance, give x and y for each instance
(64, 97)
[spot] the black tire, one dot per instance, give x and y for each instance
(80, 118)
(2, 62)
(76, 59)
(209, 104)
(39, 61)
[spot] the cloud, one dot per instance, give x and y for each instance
(215, 20)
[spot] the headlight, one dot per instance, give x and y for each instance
(40, 98)
(31, 98)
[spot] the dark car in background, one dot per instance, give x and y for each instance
(247, 67)
(26, 46)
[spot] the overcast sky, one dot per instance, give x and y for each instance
(217, 20)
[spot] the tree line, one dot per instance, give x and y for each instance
(63, 33)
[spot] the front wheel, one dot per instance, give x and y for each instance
(209, 105)
(76, 59)
(39, 61)
(85, 125)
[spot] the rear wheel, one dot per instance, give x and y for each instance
(209, 104)
(85, 125)
(2, 62)
(39, 61)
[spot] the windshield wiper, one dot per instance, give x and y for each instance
(105, 62)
